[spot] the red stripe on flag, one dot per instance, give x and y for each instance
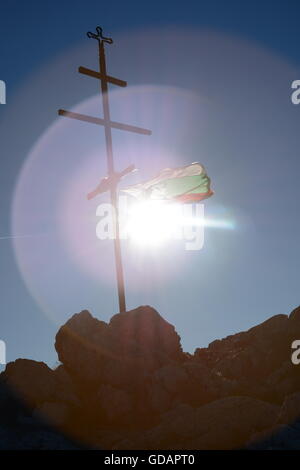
(194, 197)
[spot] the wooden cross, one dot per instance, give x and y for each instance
(106, 122)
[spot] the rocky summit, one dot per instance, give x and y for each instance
(127, 384)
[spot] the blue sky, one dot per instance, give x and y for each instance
(238, 60)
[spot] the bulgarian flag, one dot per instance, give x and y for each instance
(184, 184)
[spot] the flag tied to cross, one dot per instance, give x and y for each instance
(183, 184)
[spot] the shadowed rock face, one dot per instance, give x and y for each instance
(121, 353)
(127, 384)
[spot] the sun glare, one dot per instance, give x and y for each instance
(149, 223)
(152, 223)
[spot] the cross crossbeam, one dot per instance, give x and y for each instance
(102, 122)
(100, 76)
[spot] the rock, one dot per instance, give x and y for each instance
(34, 382)
(54, 413)
(270, 329)
(174, 423)
(116, 404)
(144, 332)
(124, 444)
(122, 353)
(278, 437)
(285, 371)
(283, 381)
(10, 406)
(294, 324)
(290, 410)
(31, 440)
(194, 383)
(124, 372)
(106, 439)
(229, 423)
(237, 342)
(82, 344)
(200, 384)
(175, 427)
(222, 424)
(43, 439)
(159, 400)
(180, 421)
(262, 439)
(294, 318)
(65, 387)
(173, 378)
(127, 384)
(252, 355)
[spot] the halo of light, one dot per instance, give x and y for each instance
(63, 166)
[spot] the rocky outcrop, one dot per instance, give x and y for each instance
(127, 384)
(36, 383)
(290, 410)
(121, 353)
(223, 424)
(116, 404)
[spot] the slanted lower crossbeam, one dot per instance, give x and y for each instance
(102, 122)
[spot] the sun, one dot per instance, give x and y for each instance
(153, 223)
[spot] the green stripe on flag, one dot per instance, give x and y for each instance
(173, 187)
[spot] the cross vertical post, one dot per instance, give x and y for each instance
(113, 188)
(113, 178)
